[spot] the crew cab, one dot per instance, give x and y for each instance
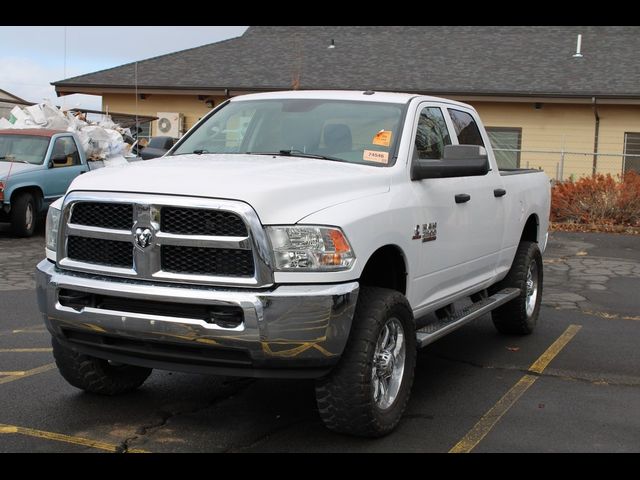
(306, 234)
(36, 168)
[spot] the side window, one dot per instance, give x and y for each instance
(66, 152)
(466, 128)
(432, 134)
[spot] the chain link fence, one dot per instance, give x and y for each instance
(568, 165)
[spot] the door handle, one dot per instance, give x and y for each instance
(499, 192)
(462, 198)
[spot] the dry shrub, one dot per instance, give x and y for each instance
(601, 200)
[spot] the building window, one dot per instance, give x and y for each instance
(506, 143)
(631, 147)
(145, 130)
(466, 128)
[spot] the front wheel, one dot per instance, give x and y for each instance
(520, 315)
(367, 392)
(96, 375)
(23, 215)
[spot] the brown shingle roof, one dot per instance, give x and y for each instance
(436, 59)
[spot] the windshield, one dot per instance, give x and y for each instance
(23, 148)
(346, 131)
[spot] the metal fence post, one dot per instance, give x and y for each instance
(562, 159)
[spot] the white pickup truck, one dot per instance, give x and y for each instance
(307, 234)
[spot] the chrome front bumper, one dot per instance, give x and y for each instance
(288, 331)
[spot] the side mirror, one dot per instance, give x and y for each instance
(457, 161)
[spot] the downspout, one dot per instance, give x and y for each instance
(596, 135)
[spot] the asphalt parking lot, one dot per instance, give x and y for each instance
(572, 386)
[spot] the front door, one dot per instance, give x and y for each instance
(67, 167)
(459, 242)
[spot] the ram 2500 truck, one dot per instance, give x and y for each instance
(307, 234)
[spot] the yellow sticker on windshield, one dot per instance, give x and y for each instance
(382, 138)
(375, 156)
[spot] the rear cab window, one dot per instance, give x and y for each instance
(466, 128)
(468, 132)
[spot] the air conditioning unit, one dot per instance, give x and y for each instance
(170, 124)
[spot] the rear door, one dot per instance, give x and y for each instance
(484, 214)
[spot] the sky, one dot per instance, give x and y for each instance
(33, 57)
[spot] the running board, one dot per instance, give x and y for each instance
(435, 330)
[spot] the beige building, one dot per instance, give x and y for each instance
(547, 102)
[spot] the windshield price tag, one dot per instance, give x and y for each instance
(375, 156)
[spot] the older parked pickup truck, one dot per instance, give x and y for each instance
(303, 234)
(36, 167)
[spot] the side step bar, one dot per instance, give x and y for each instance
(434, 331)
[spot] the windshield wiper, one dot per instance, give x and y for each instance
(200, 151)
(299, 153)
(13, 160)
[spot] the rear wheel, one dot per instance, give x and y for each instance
(367, 393)
(520, 315)
(23, 215)
(96, 375)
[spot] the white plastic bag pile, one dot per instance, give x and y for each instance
(100, 140)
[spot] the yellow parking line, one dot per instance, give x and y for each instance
(611, 316)
(541, 363)
(24, 350)
(502, 406)
(12, 373)
(28, 373)
(59, 437)
(38, 328)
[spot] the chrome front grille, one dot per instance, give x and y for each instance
(207, 261)
(164, 238)
(105, 215)
(194, 221)
(100, 252)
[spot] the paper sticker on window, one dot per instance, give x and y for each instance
(382, 138)
(375, 156)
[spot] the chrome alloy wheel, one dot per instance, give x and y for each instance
(388, 364)
(532, 288)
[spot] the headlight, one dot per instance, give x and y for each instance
(51, 230)
(307, 248)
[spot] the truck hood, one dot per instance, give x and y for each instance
(282, 190)
(18, 167)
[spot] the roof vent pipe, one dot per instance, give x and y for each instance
(578, 47)
(333, 44)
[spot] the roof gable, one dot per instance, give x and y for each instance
(11, 98)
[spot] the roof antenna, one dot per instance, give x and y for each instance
(578, 46)
(333, 44)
